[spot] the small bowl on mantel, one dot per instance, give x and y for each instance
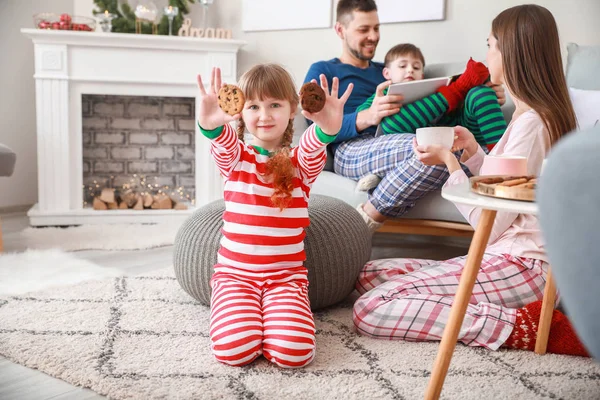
(64, 22)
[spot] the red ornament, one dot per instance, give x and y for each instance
(44, 25)
(56, 25)
(65, 17)
(64, 25)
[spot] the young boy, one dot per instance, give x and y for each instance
(469, 104)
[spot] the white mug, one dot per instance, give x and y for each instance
(436, 135)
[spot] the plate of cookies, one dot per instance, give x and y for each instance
(505, 187)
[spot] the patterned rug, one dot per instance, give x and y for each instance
(144, 338)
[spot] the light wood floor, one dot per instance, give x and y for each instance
(21, 383)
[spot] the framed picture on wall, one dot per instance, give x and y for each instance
(391, 11)
(272, 15)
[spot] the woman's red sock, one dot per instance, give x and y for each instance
(562, 339)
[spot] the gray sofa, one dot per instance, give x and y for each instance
(8, 159)
(434, 214)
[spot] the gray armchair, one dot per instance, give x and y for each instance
(568, 198)
(8, 159)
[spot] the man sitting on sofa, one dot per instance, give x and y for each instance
(357, 152)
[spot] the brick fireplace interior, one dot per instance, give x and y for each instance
(133, 140)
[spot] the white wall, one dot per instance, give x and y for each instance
(17, 95)
(457, 38)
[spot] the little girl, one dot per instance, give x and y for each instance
(259, 301)
(411, 299)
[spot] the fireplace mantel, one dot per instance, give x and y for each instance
(69, 64)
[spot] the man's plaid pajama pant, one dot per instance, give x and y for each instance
(404, 178)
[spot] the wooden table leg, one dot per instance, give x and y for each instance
(459, 306)
(541, 341)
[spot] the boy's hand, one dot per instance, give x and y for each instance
(210, 115)
(384, 106)
(500, 93)
(329, 119)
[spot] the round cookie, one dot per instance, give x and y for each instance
(312, 97)
(231, 99)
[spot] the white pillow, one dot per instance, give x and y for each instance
(587, 107)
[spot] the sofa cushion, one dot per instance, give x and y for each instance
(583, 64)
(7, 161)
(433, 206)
(586, 104)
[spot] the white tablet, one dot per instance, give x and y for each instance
(416, 90)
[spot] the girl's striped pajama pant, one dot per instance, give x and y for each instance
(411, 299)
(261, 312)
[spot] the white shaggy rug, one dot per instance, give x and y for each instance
(101, 237)
(35, 270)
(145, 338)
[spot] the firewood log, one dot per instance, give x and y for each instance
(148, 200)
(162, 202)
(129, 197)
(139, 204)
(108, 195)
(179, 206)
(99, 204)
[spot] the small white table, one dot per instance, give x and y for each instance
(490, 206)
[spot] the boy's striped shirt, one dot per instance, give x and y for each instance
(481, 114)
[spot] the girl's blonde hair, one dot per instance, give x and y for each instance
(528, 41)
(273, 81)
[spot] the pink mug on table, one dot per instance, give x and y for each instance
(504, 165)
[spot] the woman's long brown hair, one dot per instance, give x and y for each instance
(528, 40)
(273, 81)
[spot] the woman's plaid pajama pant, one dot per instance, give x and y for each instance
(410, 299)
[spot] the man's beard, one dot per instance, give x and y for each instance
(356, 53)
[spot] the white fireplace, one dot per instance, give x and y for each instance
(70, 64)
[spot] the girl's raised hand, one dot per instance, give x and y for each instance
(329, 119)
(431, 154)
(210, 115)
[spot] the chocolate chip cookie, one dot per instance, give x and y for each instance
(312, 97)
(231, 99)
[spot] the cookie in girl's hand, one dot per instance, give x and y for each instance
(312, 97)
(231, 99)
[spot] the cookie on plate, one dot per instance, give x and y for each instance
(312, 97)
(231, 99)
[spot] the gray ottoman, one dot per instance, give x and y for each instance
(337, 243)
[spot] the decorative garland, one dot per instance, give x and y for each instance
(125, 20)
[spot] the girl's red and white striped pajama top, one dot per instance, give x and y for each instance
(259, 301)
